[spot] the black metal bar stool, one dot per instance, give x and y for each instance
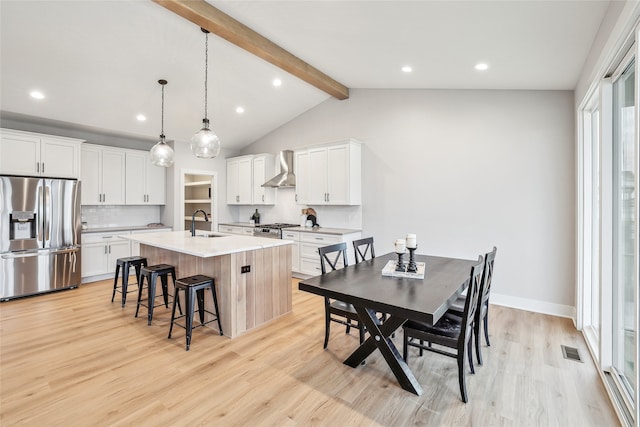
(152, 273)
(125, 263)
(192, 286)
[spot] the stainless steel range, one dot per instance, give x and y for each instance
(271, 231)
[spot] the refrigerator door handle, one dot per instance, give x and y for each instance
(40, 219)
(21, 254)
(47, 214)
(73, 260)
(32, 253)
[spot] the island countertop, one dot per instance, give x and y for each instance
(202, 246)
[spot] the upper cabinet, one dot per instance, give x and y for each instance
(146, 182)
(34, 154)
(301, 171)
(245, 176)
(329, 174)
(263, 170)
(103, 175)
(239, 180)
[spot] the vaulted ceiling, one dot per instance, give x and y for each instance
(98, 62)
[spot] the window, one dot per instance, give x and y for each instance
(624, 234)
(608, 223)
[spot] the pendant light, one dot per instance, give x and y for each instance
(205, 143)
(162, 153)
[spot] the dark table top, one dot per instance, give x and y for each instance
(418, 299)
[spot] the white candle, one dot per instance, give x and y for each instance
(411, 241)
(401, 246)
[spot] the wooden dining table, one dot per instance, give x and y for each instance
(424, 300)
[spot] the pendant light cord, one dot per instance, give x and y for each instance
(206, 70)
(162, 114)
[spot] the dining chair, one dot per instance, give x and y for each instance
(482, 313)
(337, 311)
(362, 247)
(450, 331)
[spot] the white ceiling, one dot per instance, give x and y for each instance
(98, 62)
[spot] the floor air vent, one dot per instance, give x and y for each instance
(571, 353)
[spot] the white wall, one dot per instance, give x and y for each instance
(464, 170)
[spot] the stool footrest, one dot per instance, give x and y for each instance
(215, 319)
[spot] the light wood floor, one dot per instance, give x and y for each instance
(72, 358)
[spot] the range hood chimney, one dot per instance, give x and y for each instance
(285, 178)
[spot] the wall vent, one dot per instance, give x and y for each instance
(571, 353)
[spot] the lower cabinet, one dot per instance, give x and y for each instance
(311, 241)
(100, 252)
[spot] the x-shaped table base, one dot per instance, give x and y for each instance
(379, 337)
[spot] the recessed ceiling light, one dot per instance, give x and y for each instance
(37, 94)
(277, 82)
(481, 66)
(239, 110)
(141, 117)
(407, 69)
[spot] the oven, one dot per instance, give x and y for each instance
(271, 231)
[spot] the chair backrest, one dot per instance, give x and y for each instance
(327, 253)
(362, 247)
(485, 287)
(471, 302)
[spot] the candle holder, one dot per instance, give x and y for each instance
(412, 267)
(400, 263)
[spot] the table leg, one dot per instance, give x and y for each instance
(379, 338)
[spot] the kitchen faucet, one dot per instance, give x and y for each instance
(193, 221)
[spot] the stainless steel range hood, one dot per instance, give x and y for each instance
(285, 178)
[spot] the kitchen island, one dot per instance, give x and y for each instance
(246, 299)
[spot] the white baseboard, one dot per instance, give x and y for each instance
(533, 305)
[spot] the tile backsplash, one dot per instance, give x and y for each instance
(287, 210)
(119, 216)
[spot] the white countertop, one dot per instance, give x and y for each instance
(123, 228)
(182, 241)
(318, 230)
(323, 230)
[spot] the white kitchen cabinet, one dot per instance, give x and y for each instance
(263, 170)
(239, 180)
(301, 168)
(295, 248)
(145, 182)
(100, 252)
(309, 243)
(330, 174)
(33, 154)
(103, 175)
(317, 179)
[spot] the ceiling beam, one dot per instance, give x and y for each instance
(217, 22)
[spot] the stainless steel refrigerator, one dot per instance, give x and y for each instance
(40, 228)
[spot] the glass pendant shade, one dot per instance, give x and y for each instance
(162, 153)
(205, 143)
